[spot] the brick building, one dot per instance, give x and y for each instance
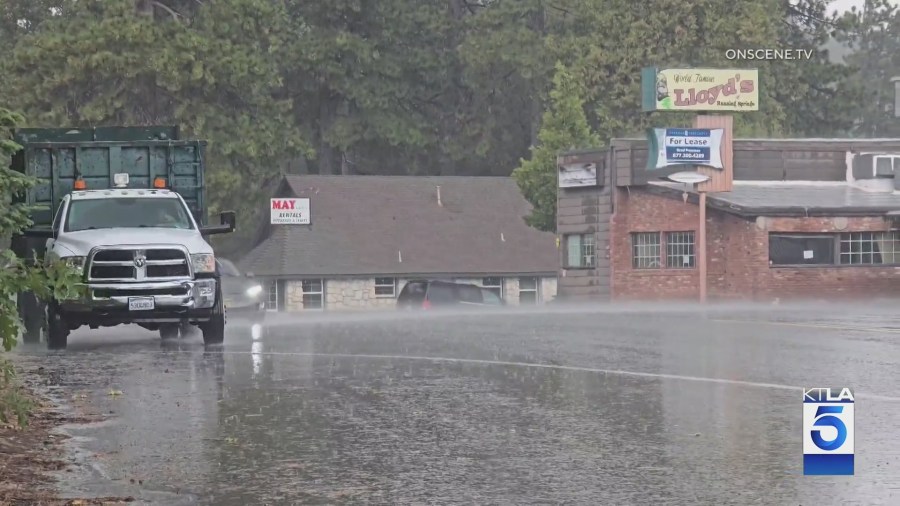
(369, 235)
(805, 219)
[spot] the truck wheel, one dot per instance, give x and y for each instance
(169, 331)
(57, 329)
(32, 315)
(214, 329)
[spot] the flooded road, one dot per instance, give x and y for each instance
(564, 406)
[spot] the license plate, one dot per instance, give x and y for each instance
(141, 304)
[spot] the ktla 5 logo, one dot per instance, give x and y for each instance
(828, 431)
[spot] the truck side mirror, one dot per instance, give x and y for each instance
(228, 223)
(228, 218)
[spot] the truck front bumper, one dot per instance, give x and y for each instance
(104, 304)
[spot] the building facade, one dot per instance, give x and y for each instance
(369, 235)
(812, 219)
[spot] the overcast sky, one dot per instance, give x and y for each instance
(843, 5)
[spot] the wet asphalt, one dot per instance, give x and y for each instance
(610, 405)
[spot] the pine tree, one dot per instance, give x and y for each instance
(564, 126)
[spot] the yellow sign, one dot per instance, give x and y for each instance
(700, 89)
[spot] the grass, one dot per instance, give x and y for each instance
(15, 404)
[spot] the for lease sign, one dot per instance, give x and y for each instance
(684, 146)
(289, 211)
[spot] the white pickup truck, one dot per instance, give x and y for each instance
(143, 259)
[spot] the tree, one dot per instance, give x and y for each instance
(16, 275)
(873, 35)
(564, 126)
(211, 68)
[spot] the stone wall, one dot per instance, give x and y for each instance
(359, 294)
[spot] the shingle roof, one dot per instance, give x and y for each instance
(798, 198)
(367, 225)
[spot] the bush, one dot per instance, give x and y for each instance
(16, 276)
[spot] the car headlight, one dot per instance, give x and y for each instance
(74, 263)
(203, 262)
(254, 290)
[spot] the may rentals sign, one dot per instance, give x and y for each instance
(289, 211)
(699, 89)
(684, 146)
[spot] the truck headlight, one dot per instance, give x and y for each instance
(254, 290)
(74, 263)
(203, 262)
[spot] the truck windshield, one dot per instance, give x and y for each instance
(127, 212)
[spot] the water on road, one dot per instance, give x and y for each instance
(617, 405)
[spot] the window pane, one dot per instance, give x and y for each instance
(491, 297)
(528, 297)
(573, 248)
(870, 248)
(645, 250)
(492, 282)
(680, 250)
(385, 287)
(588, 252)
(311, 301)
(272, 302)
(469, 294)
(801, 250)
(312, 286)
(527, 283)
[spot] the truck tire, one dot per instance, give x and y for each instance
(169, 331)
(214, 329)
(57, 329)
(32, 314)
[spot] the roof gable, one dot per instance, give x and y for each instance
(368, 225)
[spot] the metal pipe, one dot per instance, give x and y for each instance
(701, 247)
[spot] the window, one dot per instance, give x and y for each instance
(412, 293)
(490, 297)
(799, 249)
(469, 294)
(127, 212)
(580, 251)
(870, 248)
(528, 291)
(645, 250)
(312, 293)
(494, 284)
(272, 301)
(58, 217)
(680, 250)
(385, 287)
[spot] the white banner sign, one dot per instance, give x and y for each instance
(578, 174)
(289, 211)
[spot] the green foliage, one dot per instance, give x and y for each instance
(411, 87)
(16, 276)
(873, 35)
(564, 127)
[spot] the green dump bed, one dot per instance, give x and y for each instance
(58, 157)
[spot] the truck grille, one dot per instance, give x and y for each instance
(132, 264)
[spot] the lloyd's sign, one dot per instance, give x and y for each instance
(684, 146)
(699, 89)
